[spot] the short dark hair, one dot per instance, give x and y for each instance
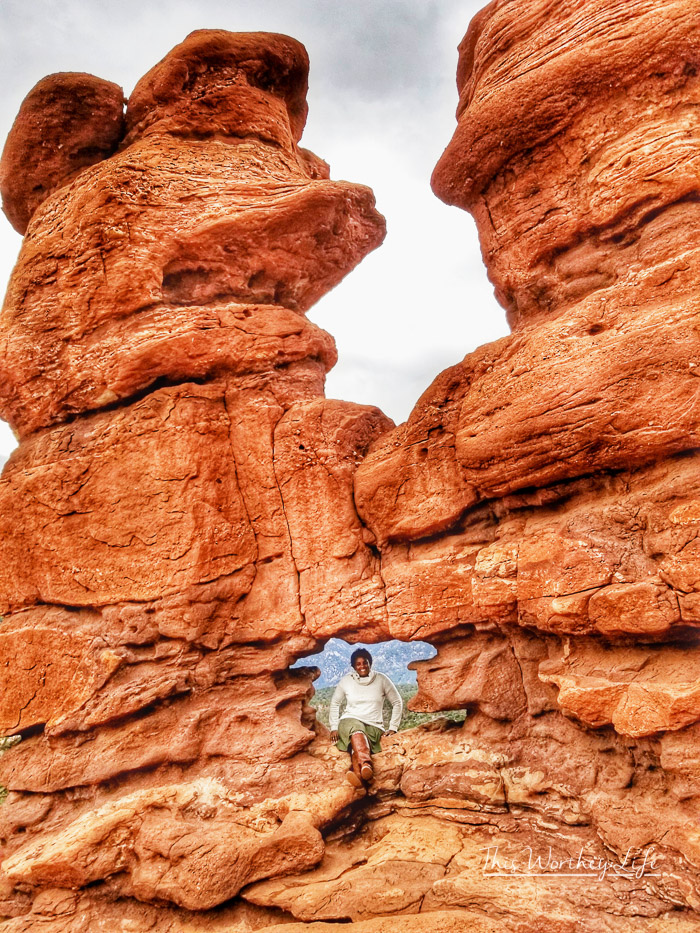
(360, 653)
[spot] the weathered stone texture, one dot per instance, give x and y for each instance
(537, 515)
(66, 123)
(158, 575)
(187, 515)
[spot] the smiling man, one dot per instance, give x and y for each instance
(361, 726)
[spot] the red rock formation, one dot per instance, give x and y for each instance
(67, 122)
(180, 521)
(538, 513)
(161, 566)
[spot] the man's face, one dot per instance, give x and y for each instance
(361, 665)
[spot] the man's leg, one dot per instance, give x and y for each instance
(362, 752)
(353, 775)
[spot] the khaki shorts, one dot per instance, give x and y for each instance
(346, 727)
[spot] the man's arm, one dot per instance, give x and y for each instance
(334, 709)
(394, 697)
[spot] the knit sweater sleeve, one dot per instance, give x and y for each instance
(394, 697)
(334, 709)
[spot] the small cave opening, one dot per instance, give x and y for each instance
(393, 658)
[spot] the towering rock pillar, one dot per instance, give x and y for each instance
(539, 513)
(576, 151)
(177, 524)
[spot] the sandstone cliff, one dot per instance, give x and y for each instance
(187, 515)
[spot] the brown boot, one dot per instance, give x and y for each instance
(353, 775)
(360, 746)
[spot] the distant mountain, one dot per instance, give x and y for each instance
(390, 657)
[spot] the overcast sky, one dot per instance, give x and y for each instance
(382, 100)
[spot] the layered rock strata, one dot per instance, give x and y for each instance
(186, 515)
(159, 574)
(538, 514)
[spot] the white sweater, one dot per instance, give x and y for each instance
(364, 697)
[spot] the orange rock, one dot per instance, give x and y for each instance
(318, 446)
(125, 505)
(475, 671)
(251, 719)
(188, 845)
(228, 84)
(601, 555)
(582, 180)
(186, 515)
(158, 578)
(59, 910)
(98, 312)
(639, 690)
(65, 124)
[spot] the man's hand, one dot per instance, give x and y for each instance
(334, 736)
(390, 732)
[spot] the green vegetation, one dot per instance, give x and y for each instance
(322, 700)
(7, 741)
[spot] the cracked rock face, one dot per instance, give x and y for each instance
(538, 513)
(179, 518)
(187, 515)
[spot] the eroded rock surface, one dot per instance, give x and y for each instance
(159, 575)
(187, 515)
(537, 515)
